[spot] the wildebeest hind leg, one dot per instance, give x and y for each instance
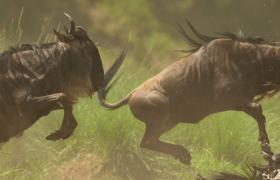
(255, 111)
(151, 141)
(44, 104)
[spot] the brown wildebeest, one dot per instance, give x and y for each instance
(37, 79)
(221, 74)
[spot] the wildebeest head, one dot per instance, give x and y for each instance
(73, 33)
(78, 40)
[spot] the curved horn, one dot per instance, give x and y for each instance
(61, 37)
(72, 23)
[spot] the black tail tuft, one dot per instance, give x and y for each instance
(110, 73)
(111, 84)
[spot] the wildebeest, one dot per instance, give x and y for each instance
(36, 79)
(220, 74)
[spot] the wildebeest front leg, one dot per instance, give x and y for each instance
(69, 122)
(255, 111)
(44, 104)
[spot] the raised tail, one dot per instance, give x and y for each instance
(102, 100)
(110, 73)
(108, 83)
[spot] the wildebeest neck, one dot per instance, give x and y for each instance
(269, 58)
(257, 64)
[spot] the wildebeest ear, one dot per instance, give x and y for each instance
(63, 38)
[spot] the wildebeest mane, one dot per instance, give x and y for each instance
(25, 47)
(204, 39)
(200, 40)
(18, 70)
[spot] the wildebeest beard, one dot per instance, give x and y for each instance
(38, 78)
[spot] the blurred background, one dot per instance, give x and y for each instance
(149, 25)
(106, 143)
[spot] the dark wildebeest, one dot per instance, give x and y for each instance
(37, 79)
(221, 74)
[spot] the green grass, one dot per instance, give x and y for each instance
(224, 141)
(106, 143)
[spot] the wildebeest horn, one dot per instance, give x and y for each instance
(61, 37)
(72, 23)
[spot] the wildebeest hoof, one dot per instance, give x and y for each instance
(183, 155)
(276, 160)
(276, 157)
(64, 132)
(59, 134)
(185, 160)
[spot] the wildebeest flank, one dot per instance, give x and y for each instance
(221, 74)
(38, 78)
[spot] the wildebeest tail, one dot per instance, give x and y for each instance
(108, 83)
(110, 73)
(104, 103)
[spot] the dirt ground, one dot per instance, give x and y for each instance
(85, 166)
